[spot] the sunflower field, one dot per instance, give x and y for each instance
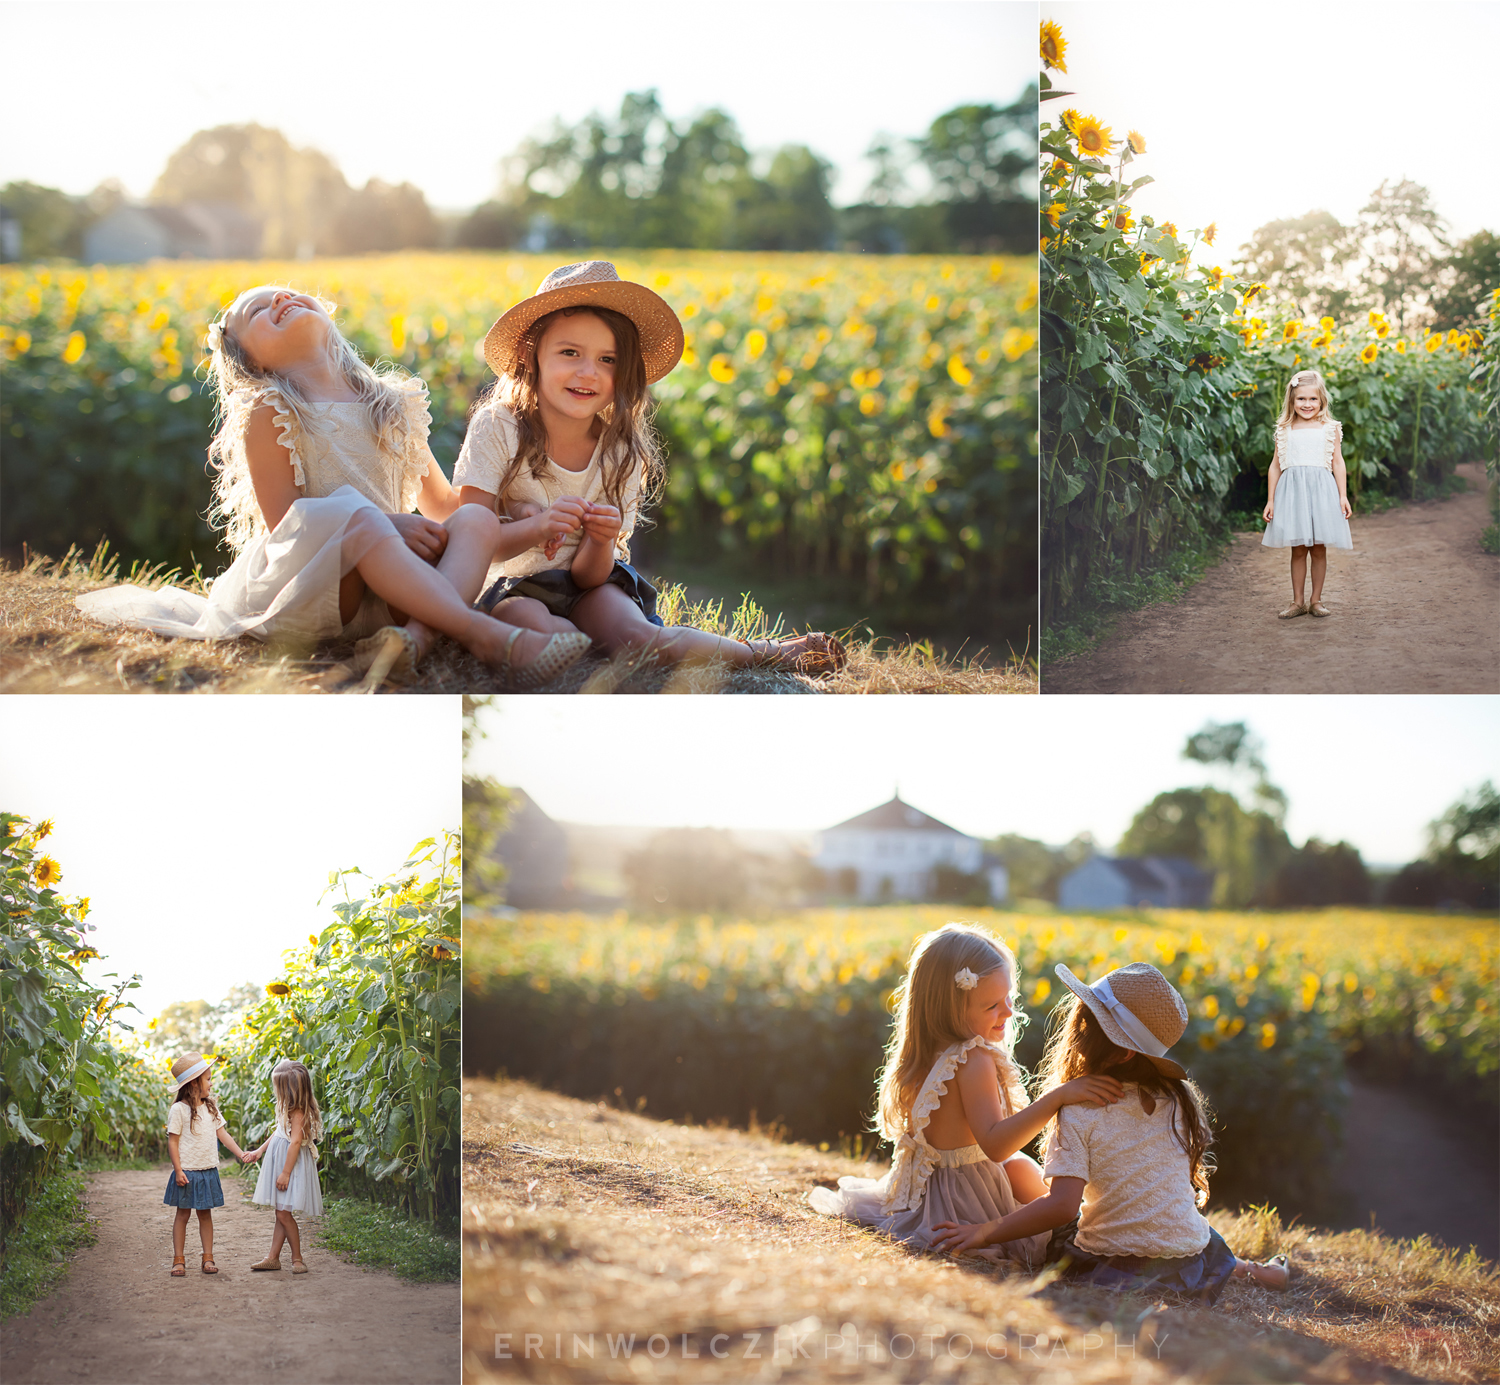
(69, 1088)
(1161, 384)
(786, 1019)
(371, 1005)
(870, 420)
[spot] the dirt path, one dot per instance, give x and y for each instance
(1415, 608)
(120, 1317)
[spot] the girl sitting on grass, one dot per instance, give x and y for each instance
(1137, 1169)
(320, 462)
(289, 1177)
(957, 1141)
(194, 1129)
(562, 448)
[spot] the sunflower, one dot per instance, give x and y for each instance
(276, 988)
(1433, 343)
(1054, 46)
(1070, 119)
(46, 872)
(1211, 231)
(1376, 318)
(1046, 244)
(1401, 346)
(1463, 343)
(1322, 339)
(44, 829)
(1369, 353)
(1147, 261)
(1289, 332)
(1169, 229)
(1327, 323)
(1123, 220)
(1137, 141)
(1092, 137)
(1059, 170)
(1215, 277)
(1054, 211)
(1382, 329)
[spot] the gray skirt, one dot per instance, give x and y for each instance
(1307, 511)
(302, 1193)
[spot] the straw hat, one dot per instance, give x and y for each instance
(594, 283)
(1138, 1008)
(185, 1069)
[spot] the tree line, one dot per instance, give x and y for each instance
(640, 178)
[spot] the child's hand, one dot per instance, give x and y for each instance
(181, 1179)
(425, 537)
(1094, 1090)
(959, 1237)
(282, 1179)
(1269, 513)
(1345, 506)
(564, 516)
(602, 523)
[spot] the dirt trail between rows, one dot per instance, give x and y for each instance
(1415, 608)
(121, 1317)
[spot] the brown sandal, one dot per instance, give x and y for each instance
(208, 1265)
(179, 1266)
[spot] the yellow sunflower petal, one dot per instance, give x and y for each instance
(1093, 138)
(1137, 141)
(1054, 46)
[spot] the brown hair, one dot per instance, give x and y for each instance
(294, 1092)
(629, 447)
(930, 1009)
(188, 1094)
(1078, 1046)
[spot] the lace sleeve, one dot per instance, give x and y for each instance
(1333, 437)
(1279, 450)
(288, 428)
(415, 455)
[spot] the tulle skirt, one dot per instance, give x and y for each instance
(967, 1186)
(1307, 511)
(302, 1192)
(284, 585)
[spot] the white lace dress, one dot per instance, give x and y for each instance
(926, 1185)
(1305, 506)
(302, 1193)
(285, 583)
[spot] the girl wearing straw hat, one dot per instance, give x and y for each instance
(194, 1129)
(1134, 1175)
(562, 447)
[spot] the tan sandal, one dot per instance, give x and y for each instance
(208, 1266)
(1317, 608)
(298, 1267)
(558, 655)
(179, 1266)
(391, 653)
(1292, 611)
(814, 654)
(268, 1264)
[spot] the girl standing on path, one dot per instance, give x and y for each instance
(194, 1129)
(289, 1177)
(1126, 1181)
(320, 462)
(1307, 500)
(562, 448)
(955, 1019)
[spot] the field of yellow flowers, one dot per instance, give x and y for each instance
(787, 1017)
(870, 419)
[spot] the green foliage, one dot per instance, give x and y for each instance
(54, 1227)
(371, 1005)
(68, 1091)
(383, 1238)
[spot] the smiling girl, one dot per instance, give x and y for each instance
(320, 462)
(952, 1102)
(1307, 500)
(562, 449)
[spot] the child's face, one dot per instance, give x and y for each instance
(989, 1005)
(278, 328)
(1306, 401)
(576, 366)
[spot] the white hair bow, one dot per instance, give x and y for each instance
(965, 980)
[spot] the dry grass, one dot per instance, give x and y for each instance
(47, 646)
(580, 1219)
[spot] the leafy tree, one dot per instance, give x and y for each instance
(1401, 237)
(51, 221)
(688, 868)
(788, 209)
(980, 161)
(1301, 261)
(188, 1026)
(382, 217)
(1234, 745)
(486, 808)
(1470, 276)
(1034, 867)
(1319, 875)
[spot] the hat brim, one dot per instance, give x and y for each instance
(659, 328)
(1111, 1026)
(197, 1070)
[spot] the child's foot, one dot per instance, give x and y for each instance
(179, 1266)
(1271, 1275)
(298, 1267)
(1317, 608)
(208, 1265)
(270, 1263)
(549, 655)
(1295, 609)
(815, 654)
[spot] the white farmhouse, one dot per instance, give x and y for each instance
(893, 852)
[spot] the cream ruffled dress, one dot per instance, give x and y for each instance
(926, 1185)
(285, 582)
(1305, 507)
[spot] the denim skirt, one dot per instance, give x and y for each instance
(559, 593)
(201, 1193)
(1201, 1276)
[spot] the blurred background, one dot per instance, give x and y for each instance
(844, 222)
(676, 935)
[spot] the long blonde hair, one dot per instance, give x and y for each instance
(1301, 378)
(930, 1008)
(240, 386)
(294, 1092)
(629, 446)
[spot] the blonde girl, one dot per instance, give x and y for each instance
(194, 1130)
(953, 1104)
(1307, 499)
(563, 452)
(320, 460)
(289, 1177)
(1134, 1175)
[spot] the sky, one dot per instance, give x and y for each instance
(203, 829)
(437, 94)
(1255, 113)
(1370, 770)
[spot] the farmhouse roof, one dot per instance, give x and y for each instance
(897, 816)
(1137, 872)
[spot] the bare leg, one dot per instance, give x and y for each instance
(206, 1232)
(472, 535)
(1319, 571)
(530, 614)
(278, 1239)
(179, 1230)
(1026, 1180)
(1299, 571)
(286, 1222)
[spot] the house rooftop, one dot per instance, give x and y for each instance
(897, 816)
